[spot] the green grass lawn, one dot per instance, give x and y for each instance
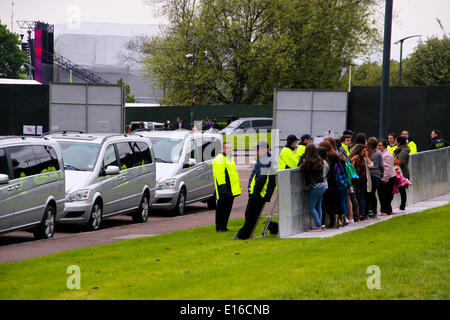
(412, 252)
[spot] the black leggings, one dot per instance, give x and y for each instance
(402, 191)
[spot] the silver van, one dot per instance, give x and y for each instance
(106, 175)
(242, 125)
(31, 185)
(184, 167)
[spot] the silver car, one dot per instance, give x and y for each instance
(106, 175)
(31, 185)
(184, 167)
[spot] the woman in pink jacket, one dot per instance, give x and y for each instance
(387, 180)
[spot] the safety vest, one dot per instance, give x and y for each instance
(300, 151)
(288, 159)
(262, 173)
(224, 167)
(392, 148)
(346, 149)
(413, 147)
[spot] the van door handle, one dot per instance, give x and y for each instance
(11, 188)
(18, 187)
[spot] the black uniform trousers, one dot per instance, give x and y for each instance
(223, 210)
(254, 206)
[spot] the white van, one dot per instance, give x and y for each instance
(184, 167)
(31, 185)
(106, 175)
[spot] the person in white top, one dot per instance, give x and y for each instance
(387, 180)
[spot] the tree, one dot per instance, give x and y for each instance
(11, 57)
(429, 64)
(254, 46)
(370, 74)
(128, 98)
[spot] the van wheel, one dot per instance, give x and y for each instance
(96, 217)
(181, 203)
(212, 202)
(46, 229)
(141, 213)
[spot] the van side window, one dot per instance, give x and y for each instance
(44, 161)
(126, 156)
(3, 162)
(144, 150)
(23, 162)
(109, 158)
(54, 162)
(244, 125)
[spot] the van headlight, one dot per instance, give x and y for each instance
(78, 196)
(166, 184)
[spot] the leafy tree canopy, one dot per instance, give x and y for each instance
(11, 57)
(246, 48)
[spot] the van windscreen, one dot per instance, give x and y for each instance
(79, 156)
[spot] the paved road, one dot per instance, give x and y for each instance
(21, 245)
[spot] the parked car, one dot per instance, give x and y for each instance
(31, 185)
(106, 175)
(242, 125)
(184, 167)
(149, 125)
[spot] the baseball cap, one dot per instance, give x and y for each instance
(291, 138)
(348, 131)
(262, 145)
(304, 137)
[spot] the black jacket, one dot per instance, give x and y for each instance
(262, 169)
(437, 143)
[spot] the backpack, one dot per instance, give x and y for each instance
(340, 175)
(352, 175)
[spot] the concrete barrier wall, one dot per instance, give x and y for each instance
(429, 173)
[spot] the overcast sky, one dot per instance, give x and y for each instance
(412, 17)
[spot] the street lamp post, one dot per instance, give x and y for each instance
(194, 61)
(401, 52)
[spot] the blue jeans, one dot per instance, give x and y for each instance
(362, 199)
(343, 204)
(315, 204)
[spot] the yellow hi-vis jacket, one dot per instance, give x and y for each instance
(226, 176)
(346, 148)
(391, 148)
(288, 159)
(412, 146)
(299, 152)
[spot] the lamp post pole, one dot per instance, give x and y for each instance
(401, 52)
(193, 85)
(385, 73)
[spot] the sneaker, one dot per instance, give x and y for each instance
(223, 230)
(316, 229)
(384, 214)
(401, 211)
(351, 221)
(373, 216)
(236, 238)
(393, 212)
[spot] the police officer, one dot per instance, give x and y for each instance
(436, 141)
(304, 141)
(392, 140)
(411, 144)
(260, 189)
(226, 179)
(288, 158)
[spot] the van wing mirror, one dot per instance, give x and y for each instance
(4, 178)
(112, 170)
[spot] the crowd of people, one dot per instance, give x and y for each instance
(347, 177)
